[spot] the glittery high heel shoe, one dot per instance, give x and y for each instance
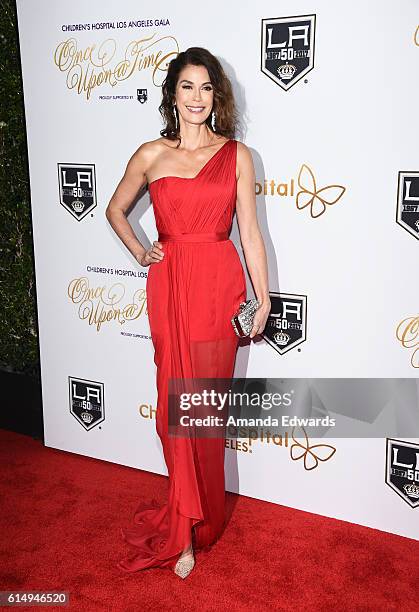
(185, 565)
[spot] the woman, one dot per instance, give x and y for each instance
(197, 174)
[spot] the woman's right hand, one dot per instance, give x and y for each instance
(153, 255)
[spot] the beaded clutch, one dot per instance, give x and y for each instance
(242, 320)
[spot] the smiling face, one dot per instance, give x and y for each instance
(194, 94)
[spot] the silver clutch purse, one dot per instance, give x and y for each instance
(242, 320)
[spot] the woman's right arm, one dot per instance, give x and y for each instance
(128, 188)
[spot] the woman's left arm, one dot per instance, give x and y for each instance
(251, 237)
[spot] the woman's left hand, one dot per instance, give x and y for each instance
(260, 318)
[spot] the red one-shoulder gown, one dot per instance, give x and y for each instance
(191, 296)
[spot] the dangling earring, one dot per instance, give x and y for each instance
(175, 114)
(213, 121)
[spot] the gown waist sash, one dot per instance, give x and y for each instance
(197, 237)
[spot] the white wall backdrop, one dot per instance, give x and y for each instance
(346, 130)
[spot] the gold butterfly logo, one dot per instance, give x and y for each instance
(313, 197)
(311, 454)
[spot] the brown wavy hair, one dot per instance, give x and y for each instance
(224, 105)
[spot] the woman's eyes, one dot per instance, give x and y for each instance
(207, 87)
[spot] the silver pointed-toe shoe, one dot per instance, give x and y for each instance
(184, 566)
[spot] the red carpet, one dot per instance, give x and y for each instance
(60, 526)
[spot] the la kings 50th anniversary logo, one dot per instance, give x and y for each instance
(402, 470)
(408, 202)
(286, 325)
(87, 403)
(288, 48)
(77, 183)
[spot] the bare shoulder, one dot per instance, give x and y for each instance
(244, 160)
(243, 150)
(148, 151)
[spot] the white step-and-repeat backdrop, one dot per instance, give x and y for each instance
(328, 97)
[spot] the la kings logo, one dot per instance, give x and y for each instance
(142, 95)
(408, 202)
(287, 321)
(288, 48)
(402, 470)
(77, 183)
(86, 401)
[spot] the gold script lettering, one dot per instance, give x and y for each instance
(101, 305)
(408, 334)
(90, 67)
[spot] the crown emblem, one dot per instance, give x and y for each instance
(286, 71)
(412, 490)
(78, 206)
(281, 338)
(86, 417)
